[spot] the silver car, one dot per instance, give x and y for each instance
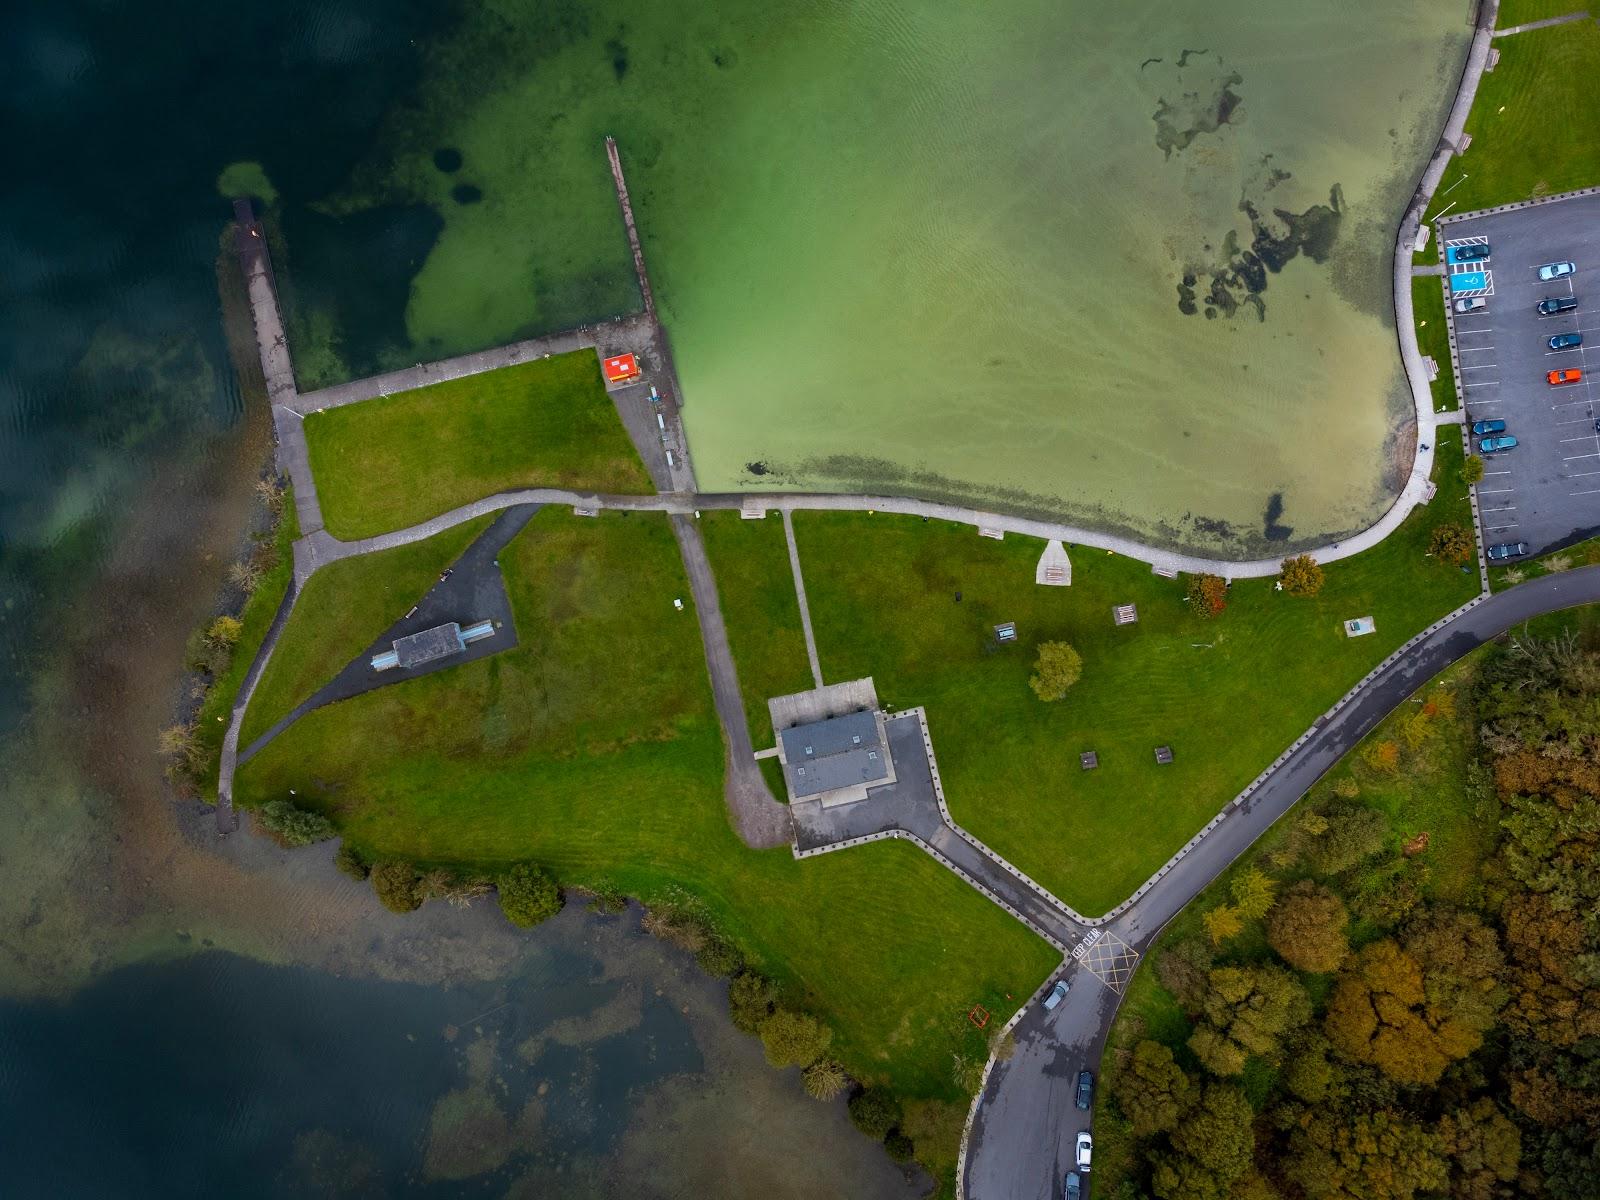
(1556, 270)
(1085, 1147)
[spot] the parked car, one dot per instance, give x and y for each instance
(1056, 996)
(1566, 341)
(1085, 1089)
(1551, 305)
(1557, 378)
(1085, 1146)
(1472, 305)
(1469, 253)
(1556, 270)
(1491, 445)
(1507, 550)
(1074, 1188)
(1479, 428)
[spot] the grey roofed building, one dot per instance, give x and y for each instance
(429, 644)
(838, 752)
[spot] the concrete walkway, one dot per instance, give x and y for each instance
(800, 595)
(1568, 19)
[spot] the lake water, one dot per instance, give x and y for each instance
(1127, 264)
(187, 1016)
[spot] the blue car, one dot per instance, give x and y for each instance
(1490, 445)
(1074, 1188)
(1479, 428)
(1469, 253)
(1566, 341)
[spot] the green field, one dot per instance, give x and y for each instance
(1228, 695)
(1520, 12)
(1523, 118)
(344, 607)
(755, 585)
(397, 460)
(1433, 337)
(593, 748)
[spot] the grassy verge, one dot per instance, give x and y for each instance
(391, 462)
(755, 585)
(1520, 12)
(211, 723)
(1427, 792)
(1583, 554)
(345, 606)
(1226, 694)
(1433, 337)
(1522, 119)
(593, 748)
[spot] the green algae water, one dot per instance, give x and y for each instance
(1125, 264)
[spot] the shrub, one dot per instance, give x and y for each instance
(608, 899)
(1556, 563)
(245, 576)
(1057, 668)
(528, 895)
(824, 1079)
(1223, 922)
(1472, 470)
(1208, 595)
(793, 1039)
(1301, 576)
(398, 886)
(293, 826)
(898, 1146)
(1451, 543)
(1381, 756)
(1347, 788)
(750, 999)
(875, 1111)
(224, 632)
(720, 957)
(349, 860)
(1353, 833)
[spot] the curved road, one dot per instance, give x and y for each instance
(1022, 1138)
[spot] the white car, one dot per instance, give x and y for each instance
(1471, 305)
(1056, 996)
(1085, 1146)
(1558, 270)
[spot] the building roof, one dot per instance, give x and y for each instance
(620, 366)
(838, 752)
(439, 642)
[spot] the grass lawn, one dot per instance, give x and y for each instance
(1523, 119)
(1433, 337)
(1426, 794)
(755, 585)
(1228, 695)
(1520, 12)
(593, 747)
(211, 724)
(345, 606)
(394, 461)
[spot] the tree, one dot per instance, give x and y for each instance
(398, 886)
(1308, 1074)
(1353, 833)
(935, 1127)
(1461, 966)
(1223, 922)
(750, 998)
(1484, 1149)
(349, 860)
(1472, 470)
(1451, 543)
(824, 1079)
(293, 826)
(1246, 1012)
(1153, 1092)
(1307, 926)
(528, 895)
(1208, 595)
(875, 1111)
(1252, 893)
(1213, 1145)
(1056, 669)
(1377, 1015)
(1302, 576)
(1368, 1156)
(1182, 970)
(793, 1039)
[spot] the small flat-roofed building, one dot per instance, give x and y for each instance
(429, 645)
(831, 743)
(620, 368)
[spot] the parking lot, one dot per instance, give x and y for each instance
(1546, 490)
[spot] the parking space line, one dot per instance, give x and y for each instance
(1590, 438)
(1575, 457)
(1486, 367)
(1494, 491)
(1590, 492)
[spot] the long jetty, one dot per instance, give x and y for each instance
(633, 229)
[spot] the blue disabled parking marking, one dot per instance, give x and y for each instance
(1469, 281)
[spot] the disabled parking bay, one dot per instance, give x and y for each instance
(1545, 491)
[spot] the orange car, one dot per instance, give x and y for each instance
(1570, 375)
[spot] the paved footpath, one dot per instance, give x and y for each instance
(800, 595)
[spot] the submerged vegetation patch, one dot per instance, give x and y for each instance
(1238, 277)
(1205, 108)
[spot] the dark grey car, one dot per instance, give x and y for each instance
(1085, 1089)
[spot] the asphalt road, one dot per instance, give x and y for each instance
(1023, 1135)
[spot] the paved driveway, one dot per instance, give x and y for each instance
(1546, 491)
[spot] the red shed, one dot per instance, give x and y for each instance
(620, 368)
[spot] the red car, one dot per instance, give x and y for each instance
(1570, 375)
